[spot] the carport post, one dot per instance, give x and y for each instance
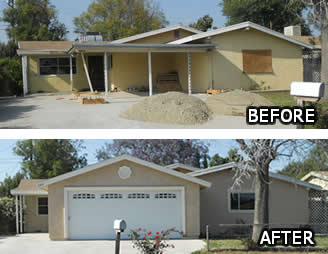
(189, 74)
(17, 227)
(86, 72)
(25, 79)
(71, 71)
(106, 75)
(150, 75)
(21, 212)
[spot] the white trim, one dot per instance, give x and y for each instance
(28, 193)
(37, 206)
(189, 73)
(123, 188)
(272, 175)
(106, 74)
(155, 32)
(180, 165)
(238, 27)
(21, 212)
(238, 192)
(150, 74)
(121, 158)
(25, 75)
(316, 175)
(17, 219)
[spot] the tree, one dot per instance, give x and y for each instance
(116, 19)
(259, 155)
(203, 24)
(10, 76)
(10, 183)
(274, 14)
(317, 160)
(49, 158)
(33, 20)
(233, 156)
(319, 17)
(162, 152)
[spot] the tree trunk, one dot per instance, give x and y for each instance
(324, 52)
(261, 212)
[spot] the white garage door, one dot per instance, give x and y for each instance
(91, 213)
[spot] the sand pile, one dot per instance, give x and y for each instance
(235, 102)
(172, 107)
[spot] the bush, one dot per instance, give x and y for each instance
(10, 76)
(322, 122)
(7, 215)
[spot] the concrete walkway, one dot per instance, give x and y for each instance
(40, 244)
(61, 111)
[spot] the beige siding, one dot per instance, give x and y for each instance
(228, 63)
(32, 221)
(108, 176)
(288, 202)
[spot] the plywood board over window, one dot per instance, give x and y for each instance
(257, 61)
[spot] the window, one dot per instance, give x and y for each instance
(111, 196)
(56, 66)
(84, 196)
(242, 201)
(138, 196)
(257, 61)
(165, 196)
(42, 206)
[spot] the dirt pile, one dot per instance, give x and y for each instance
(234, 103)
(172, 107)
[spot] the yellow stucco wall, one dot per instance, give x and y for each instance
(108, 176)
(32, 221)
(227, 64)
(288, 203)
(163, 37)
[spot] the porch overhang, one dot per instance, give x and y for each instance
(142, 48)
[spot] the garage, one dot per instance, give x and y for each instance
(91, 211)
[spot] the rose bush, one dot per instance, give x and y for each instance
(148, 242)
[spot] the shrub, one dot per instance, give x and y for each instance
(7, 215)
(148, 243)
(11, 76)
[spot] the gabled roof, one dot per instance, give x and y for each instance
(118, 159)
(180, 165)
(29, 187)
(243, 25)
(231, 166)
(155, 32)
(323, 175)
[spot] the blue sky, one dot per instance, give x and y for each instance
(176, 11)
(10, 163)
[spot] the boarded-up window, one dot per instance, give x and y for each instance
(257, 61)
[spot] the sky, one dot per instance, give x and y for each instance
(176, 11)
(10, 163)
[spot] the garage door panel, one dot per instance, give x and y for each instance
(91, 215)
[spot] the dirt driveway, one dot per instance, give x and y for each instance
(40, 244)
(61, 111)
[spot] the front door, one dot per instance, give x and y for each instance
(96, 71)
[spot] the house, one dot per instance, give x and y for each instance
(317, 177)
(245, 56)
(83, 204)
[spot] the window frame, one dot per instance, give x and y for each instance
(57, 57)
(37, 206)
(238, 210)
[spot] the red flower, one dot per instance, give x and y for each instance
(157, 233)
(139, 229)
(145, 238)
(134, 239)
(149, 233)
(156, 237)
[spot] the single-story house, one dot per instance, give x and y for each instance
(83, 204)
(317, 177)
(244, 56)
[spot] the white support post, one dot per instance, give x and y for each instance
(189, 74)
(150, 74)
(106, 75)
(87, 72)
(25, 79)
(17, 218)
(71, 71)
(21, 212)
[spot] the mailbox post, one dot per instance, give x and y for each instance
(307, 92)
(119, 227)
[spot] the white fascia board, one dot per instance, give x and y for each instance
(28, 193)
(238, 27)
(121, 158)
(155, 32)
(316, 175)
(180, 165)
(272, 175)
(22, 52)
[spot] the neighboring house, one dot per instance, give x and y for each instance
(317, 177)
(82, 204)
(245, 56)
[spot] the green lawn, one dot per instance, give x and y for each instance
(222, 246)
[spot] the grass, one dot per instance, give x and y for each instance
(232, 246)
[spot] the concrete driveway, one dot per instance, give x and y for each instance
(40, 244)
(61, 111)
